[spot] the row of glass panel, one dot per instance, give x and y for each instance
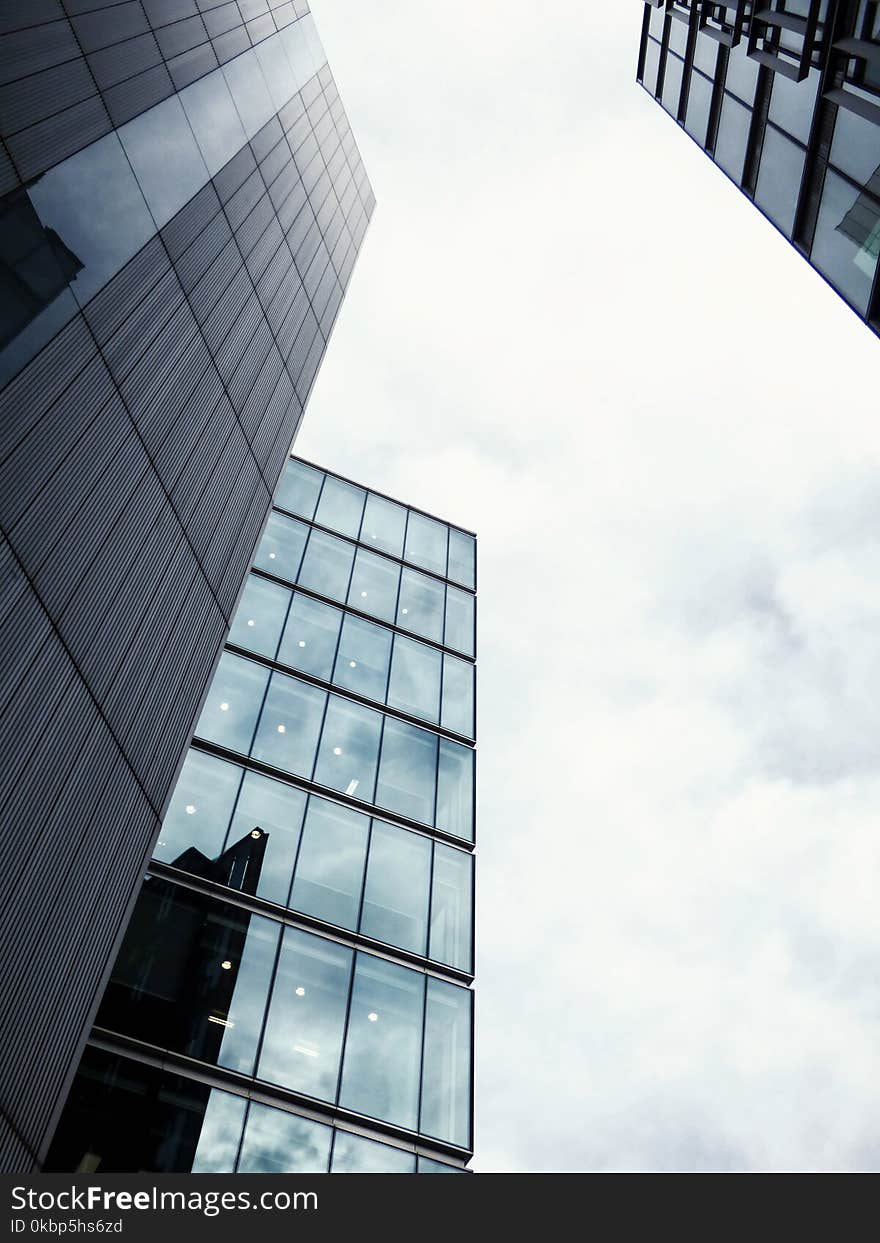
(313, 734)
(376, 521)
(846, 244)
(367, 581)
(315, 856)
(361, 656)
(124, 1117)
(209, 980)
(105, 201)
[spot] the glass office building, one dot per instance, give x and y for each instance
(784, 96)
(292, 993)
(182, 202)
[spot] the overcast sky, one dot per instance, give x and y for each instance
(568, 332)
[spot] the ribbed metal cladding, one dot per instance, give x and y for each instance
(139, 451)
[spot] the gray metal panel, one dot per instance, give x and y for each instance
(138, 453)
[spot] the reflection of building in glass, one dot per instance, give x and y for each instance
(306, 927)
(35, 265)
(182, 203)
(785, 99)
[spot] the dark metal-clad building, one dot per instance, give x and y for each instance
(784, 96)
(182, 205)
(292, 993)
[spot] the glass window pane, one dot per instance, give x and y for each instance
(352, 1154)
(123, 1116)
(455, 790)
(384, 525)
(652, 64)
(281, 548)
(214, 120)
(380, 1070)
(458, 696)
(192, 975)
(792, 104)
(459, 632)
(260, 616)
(341, 506)
(165, 157)
(264, 865)
(407, 771)
(426, 542)
(446, 1074)
(276, 1142)
(289, 725)
(396, 893)
(452, 908)
(733, 137)
(856, 145)
(100, 230)
(248, 88)
(276, 71)
(303, 1037)
(678, 35)
(847, 241)
(199, 811)
(699, 98)
(779, 179)
(310, 636)
(462, 558)
(706, 54)
(742, 74)
(220, 1133)
(672, 82)
(299, 488)
(420, 607)
(349, 749)
(233, 704)
(330, 867)
(326, 567)
(425, 1164)
(374, 585)
(362, 661)
(415, 678)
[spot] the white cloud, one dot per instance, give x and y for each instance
(570, 333)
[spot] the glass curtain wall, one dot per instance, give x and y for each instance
(306, 923)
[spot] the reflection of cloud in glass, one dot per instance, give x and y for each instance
(218, 1139)
(95, 205)
(276, 1142)
(353, 1154)
(380, 1074)
(861, 225)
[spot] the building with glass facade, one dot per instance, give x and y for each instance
(292, 993)
(182, 202)
(784, 96)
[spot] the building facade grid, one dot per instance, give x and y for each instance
(297, 968)
(785, 98)
(174, 255)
